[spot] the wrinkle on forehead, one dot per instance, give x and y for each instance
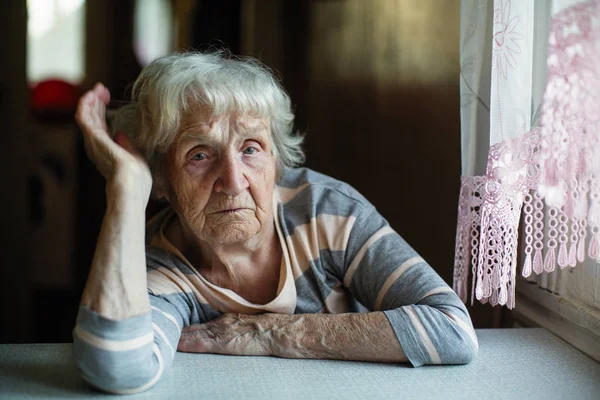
(198, 119)
(204, 125)
(250, 122)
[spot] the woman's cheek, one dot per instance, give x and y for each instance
(196, 169)
(260, 161)
(192, 176)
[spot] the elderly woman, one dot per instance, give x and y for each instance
(252, 256)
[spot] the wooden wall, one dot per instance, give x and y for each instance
(383, 112)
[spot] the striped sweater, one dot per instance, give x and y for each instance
(339, 255)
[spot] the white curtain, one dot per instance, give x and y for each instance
(530, 128)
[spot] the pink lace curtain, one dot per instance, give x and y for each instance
(530, 122)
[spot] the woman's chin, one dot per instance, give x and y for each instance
(231, 233)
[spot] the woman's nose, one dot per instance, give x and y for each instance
(231, 180)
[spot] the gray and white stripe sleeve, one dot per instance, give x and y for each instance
(126, 356)
(385, 274)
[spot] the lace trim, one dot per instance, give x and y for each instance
(551, 173)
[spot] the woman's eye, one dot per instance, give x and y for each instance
(250, 151)
(199, 157)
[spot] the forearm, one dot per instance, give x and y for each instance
(359, 337)
(116, 286)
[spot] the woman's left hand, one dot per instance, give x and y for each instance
(233, 334)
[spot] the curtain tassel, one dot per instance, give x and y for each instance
(527, 266)
(572, 255)
(593, 249)
(562, 256)
(550, 260)
(537, 262)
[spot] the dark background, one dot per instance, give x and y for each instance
(375, 89)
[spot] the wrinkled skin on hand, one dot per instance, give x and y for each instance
(233, 334)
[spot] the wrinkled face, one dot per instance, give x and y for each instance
(220, 176)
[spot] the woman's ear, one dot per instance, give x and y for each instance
(159, 192)
(159, 188)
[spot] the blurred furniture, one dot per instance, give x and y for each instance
(15, 164)
(509, 361)
(53, 182)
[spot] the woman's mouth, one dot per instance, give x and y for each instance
(228, 211)
(231, 210)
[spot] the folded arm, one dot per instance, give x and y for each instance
(116, 345)
(359, 337)
(415, 316)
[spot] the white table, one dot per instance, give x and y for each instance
(511, 364)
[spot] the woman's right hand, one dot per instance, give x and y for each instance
(117, 160)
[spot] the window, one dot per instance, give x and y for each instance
(153, 29)
(55, 40)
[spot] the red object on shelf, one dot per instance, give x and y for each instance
(54, 99)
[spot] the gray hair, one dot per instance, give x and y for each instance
(172, 85)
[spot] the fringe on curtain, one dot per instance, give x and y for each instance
(549, 175)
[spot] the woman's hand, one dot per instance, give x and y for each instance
(233, 334)
(117, 160)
